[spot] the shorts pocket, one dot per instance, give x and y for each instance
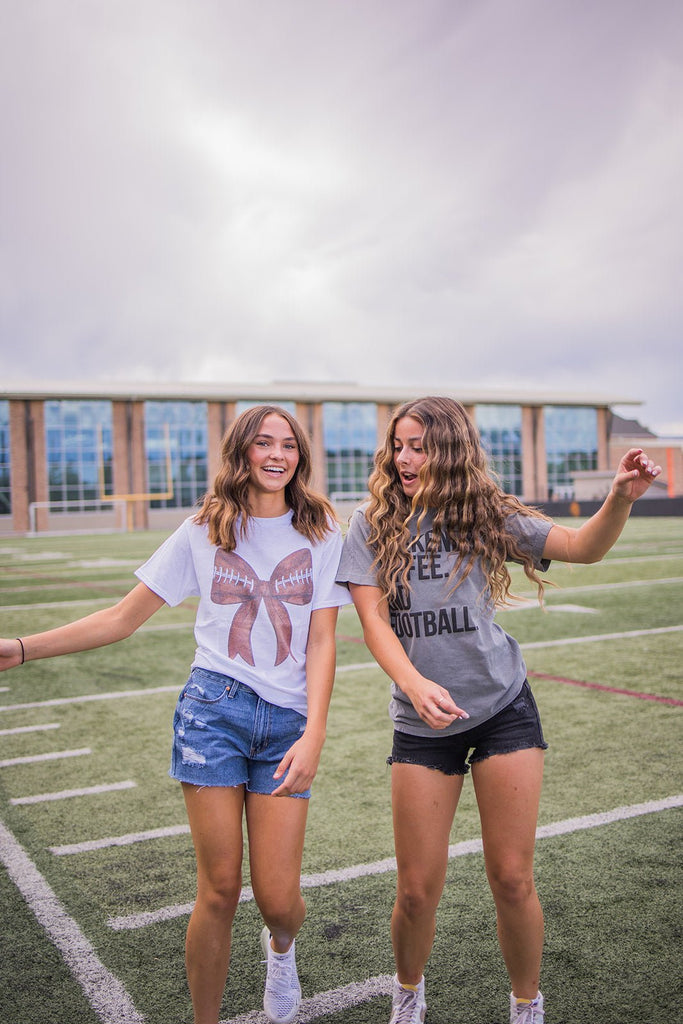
(205, 687)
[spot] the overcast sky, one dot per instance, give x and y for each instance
(428, 191)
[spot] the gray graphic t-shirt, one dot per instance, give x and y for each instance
(450, 636)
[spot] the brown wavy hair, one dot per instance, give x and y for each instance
(228, 501)
(455, 483)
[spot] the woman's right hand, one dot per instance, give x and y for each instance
(434, 704)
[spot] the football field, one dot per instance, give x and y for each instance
(97, 873)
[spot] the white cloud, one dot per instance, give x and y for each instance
(422, 191)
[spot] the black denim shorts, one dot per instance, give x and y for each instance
(516, 727)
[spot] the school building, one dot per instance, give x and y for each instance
(87, 456)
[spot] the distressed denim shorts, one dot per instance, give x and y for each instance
(226, 735)
(516, 727)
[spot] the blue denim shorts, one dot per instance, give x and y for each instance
(226, 735)
(516, 727)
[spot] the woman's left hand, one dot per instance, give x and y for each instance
(299, 765)
(635, 474)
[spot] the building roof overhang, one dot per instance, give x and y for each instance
(301, 391)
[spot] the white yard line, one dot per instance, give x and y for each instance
(66, 794)
(54, 755)
(356, 666)
(332, 1001)
(595, 638)
(132, 837)
(29, 728)
(102, 989)
(536, 644)
(43, 606)
(86, 698)
(588, 588)
(380, 867)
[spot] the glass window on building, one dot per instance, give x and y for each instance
(571, 443)
(176, 450)
(5, 488)
(500, 428)
(350, 438)
(78, 435)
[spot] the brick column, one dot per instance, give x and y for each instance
(20, 470)
(534, 465)
(216, 417)
(310, 416)
(603, 442)
(138, 463)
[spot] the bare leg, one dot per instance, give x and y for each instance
(424, 803)
(508, 789)
(215, 815)
(276, 826)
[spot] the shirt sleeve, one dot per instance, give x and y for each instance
(357, 555)
(328, 592)
(170, 571)
(531, 534)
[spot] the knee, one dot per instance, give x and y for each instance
(512, 886)
(415, 899)
(219, 896)
(280, 910)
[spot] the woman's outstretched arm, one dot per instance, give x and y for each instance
(97, 630)
(593, 539)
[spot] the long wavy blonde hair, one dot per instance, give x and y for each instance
(455, 484)
(228, 501)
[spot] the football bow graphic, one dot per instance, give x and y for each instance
(235, 582)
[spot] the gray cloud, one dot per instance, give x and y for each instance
(424, 191)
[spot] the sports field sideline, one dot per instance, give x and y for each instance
(98, 873)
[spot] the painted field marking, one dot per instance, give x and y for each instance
(127, 840)
(47, 605)
(29, 728)
(575, 609)
(595, 638)
(65, 794)
(588, 588)
(332, 1001)
(85, 698)
(353, 667)
(55, 755)
(608, 689)
(537, 644)
(102, 989)
(380, 867)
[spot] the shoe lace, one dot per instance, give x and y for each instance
(279, 973)
(405, 1010)
(280, 981)
(530, 1014)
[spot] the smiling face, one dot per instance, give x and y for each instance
(409, 455)
(273, 458)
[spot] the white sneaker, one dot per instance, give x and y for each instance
(283, 992)
(527, 1013)
(408, 1005)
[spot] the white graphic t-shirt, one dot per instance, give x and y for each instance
(255, 602)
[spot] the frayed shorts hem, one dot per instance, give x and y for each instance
(235, 785)
(515, 727)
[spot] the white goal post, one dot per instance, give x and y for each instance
(84, 515)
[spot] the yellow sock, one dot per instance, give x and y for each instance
(412, 988)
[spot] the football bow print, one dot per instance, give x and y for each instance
(235, 582)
